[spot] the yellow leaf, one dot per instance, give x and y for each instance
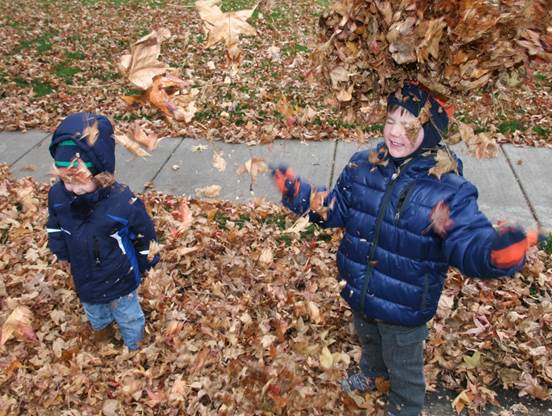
(326, 359)
(472, 361)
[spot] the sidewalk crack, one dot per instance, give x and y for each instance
(152, 181)
(332, 169)
(520, 184)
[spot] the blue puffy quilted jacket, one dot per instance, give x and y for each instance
(392, 261)
(106, 234)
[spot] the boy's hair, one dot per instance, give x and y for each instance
(413, 98)
(87, 136)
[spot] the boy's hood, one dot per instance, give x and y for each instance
(101, 152)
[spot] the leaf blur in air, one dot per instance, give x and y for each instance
(253, 166)
(445, 164)
(130, 145)
(142, 65)
(211, 191)
(218, 161)
(440, 219)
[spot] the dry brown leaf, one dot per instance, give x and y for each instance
(218, 161)
(153, 250)
(440, 219)
(18, 323)
(211, 191)
(136, 133)
(78, 174)
(142, 65)
(266, 256)
(131, 145)
(91, 134)
(253, 166)
(445, 164)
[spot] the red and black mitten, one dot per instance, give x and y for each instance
(511, 244)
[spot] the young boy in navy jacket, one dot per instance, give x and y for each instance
(98, 226)
(392, 260)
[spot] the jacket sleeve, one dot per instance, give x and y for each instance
(337, 202)
(56, 240)
(141, 226)
(468, 243)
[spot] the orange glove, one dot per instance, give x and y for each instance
(286, 181)
(511, 244)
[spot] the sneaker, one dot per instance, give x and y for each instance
(357, 382)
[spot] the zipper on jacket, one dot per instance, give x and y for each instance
(379, 218)
(96, 250)
(403, 198)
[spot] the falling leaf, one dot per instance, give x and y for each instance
(153, 250)
(440, 219)
(225, 27)
(104, 179)
(211, 191)
(131, 145)
(445, 164)
(77, 173)
(218, 162)
(300, 225)
(141, 65)
(326, 359)
(18, 323)
(137, 134)
(91, 133)
(253, 166)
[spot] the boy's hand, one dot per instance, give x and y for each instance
(511, 244)
(286, 181)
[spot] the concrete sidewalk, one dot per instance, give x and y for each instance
(514, 186)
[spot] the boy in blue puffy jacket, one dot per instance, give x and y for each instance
(98, 226)
(395, 254)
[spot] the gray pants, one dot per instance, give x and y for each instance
(395, 352)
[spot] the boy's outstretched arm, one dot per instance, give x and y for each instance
(142, 226)
(56, 241)
(475, 247)
(325, 208)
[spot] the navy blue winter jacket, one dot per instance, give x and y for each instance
(105, 235)
(393, 264)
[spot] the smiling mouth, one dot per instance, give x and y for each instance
(396, 144)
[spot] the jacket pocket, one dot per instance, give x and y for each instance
(404, 197)
(425, 292)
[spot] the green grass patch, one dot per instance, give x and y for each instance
(511, 126)
(548, 244)
(294, 49)
(66, 72)
(541, 131)
(540, 77)
(277, 15)
(74, 55)
(41, 88)
(374, 128)
(42, 43)
(108, 76)
(235, 5)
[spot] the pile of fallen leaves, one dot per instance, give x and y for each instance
(243, 316)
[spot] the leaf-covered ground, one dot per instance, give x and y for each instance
(61, 56)
(243, 317)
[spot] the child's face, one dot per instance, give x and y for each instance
(79, 188)
(395, 133)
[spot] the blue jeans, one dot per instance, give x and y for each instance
(397, 353)
(126, 311)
